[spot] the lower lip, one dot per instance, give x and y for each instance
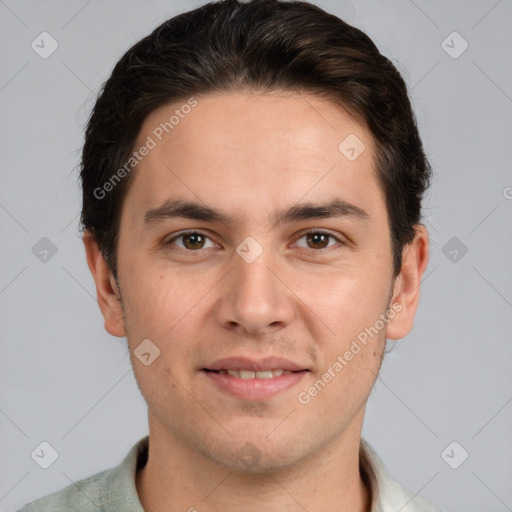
(255, 389)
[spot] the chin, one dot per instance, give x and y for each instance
(257, 454)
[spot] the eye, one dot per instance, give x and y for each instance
(318, 240)
(192, 240)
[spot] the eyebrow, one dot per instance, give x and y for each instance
(191, 210)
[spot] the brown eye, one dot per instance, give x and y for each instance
(316, 240)
(191, 241)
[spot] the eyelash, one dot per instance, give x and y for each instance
(316, 232)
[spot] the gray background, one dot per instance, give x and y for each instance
(64, 380)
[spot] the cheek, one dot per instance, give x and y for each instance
(150, 304)
(169, 309)
(156, 309)
(349, 299)
(351, 305)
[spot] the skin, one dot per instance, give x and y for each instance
(248, 155)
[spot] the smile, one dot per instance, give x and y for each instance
(253, 385)
(248, 374)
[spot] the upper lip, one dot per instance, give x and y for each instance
(245, 363)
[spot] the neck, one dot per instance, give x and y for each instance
(177, 478)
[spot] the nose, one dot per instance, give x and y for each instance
(255, 298)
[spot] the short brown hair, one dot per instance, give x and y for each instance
(261, 45)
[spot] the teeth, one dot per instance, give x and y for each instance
(264, 375)
(248, 374)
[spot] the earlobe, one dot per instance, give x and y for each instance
(406, 294)
(107, 292)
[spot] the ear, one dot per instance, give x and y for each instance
(109, 298)
(406, 294)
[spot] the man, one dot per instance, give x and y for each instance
(252, 180)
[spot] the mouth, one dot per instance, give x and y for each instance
(250, 379)
(249, 374)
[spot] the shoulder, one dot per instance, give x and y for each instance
(111, 490)
(388, 494)
(84, 495)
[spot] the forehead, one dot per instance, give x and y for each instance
(252, 151)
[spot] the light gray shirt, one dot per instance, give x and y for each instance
(114, 490)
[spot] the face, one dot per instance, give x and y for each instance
(282, 251)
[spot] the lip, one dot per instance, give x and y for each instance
(245, 363)
(254, 389)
